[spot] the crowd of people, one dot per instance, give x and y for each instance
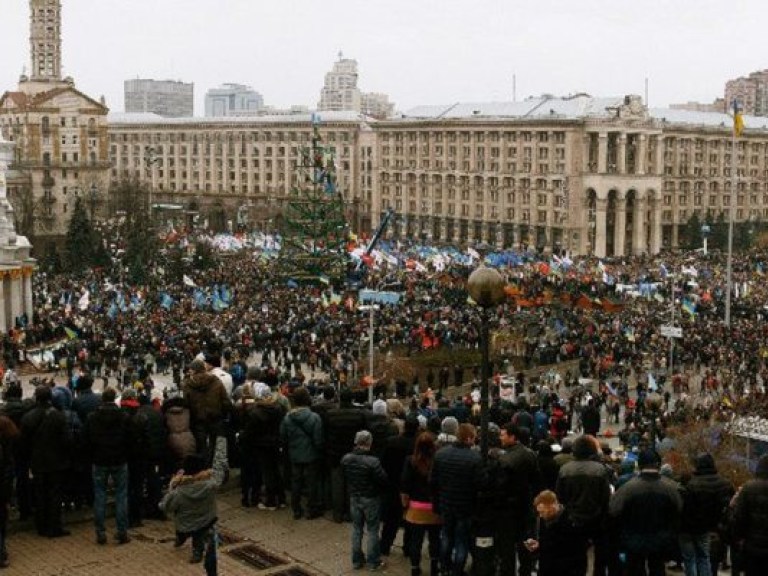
(265, 374)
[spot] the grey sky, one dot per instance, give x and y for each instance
(417, 51)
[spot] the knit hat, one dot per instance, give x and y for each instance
(380, 407)
(261, 391)
(450, 425)
(648, 459)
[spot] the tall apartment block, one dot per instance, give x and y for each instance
(167, 98)
(340, 91)
(751, 91)
(232, 100)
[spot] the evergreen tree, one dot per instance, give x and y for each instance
(204, 257)
(131, 199)
(690, 233)
(719, 235)
(315, 231)
(81, 248)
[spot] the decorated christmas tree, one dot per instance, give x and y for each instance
(315, 231)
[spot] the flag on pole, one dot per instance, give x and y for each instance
(652, 386)
(188, 281)
(324, 279)
(166, 301)
(71, 334)
(689, 307)
(738, 118)
(84, 300)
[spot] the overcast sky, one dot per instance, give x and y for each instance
(417, 51)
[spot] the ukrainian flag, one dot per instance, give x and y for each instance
(689, 307)
(738, 119)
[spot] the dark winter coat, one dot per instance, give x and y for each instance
(46, 439)
(156, 432)
(261, 424)
(86, 402)
(301, 432)
(705, 498)
(647, 509)
(456, 479)
(206, 398)
(107, 436)
(562, 547)
(342, 425)
(364, 474)
(584, 488)
(750, 515)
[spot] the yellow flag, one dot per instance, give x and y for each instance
(738, 119)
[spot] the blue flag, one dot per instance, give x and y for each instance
(201, 300)
(166, 301)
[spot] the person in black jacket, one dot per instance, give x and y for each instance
(366, 480)
(396, 451)
(750, 521)
(262, 435)
(156, 433)
(15, 408)
(417, 500)
(561, 546)
(8, 436)
(107, 440)
(47, 440)
(647, 510)
(342, 425)
(455, 482)
(521, 481)
(584, 488)
(705, 497)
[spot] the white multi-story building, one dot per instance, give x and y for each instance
(169, 98)
(340, 91)
(233, 100)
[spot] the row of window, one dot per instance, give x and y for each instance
(228, 136)
(474, 136)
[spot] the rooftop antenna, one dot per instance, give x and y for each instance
(647, 105)
(514, 87)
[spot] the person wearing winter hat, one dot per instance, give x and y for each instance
(584, 488)
(750, 520)
(647, 511)
(705, 496)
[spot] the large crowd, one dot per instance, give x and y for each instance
(267, 375)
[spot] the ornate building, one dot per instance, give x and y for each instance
(603, 176)
(59, 132)
(16, 266)
(229, 170)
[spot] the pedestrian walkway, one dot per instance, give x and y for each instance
(254, 543)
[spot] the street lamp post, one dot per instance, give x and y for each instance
(486, 287)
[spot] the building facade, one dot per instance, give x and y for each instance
(221, 171)
(232, 100)
(340, 91)
(751, 91)
(592, 176)
(16, 266)
(167, 98)
(60, 136)
(376, 105)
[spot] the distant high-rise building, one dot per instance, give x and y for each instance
(376, 105)
(169, 98)
(751, 92)
(717, 106)
(233, 100)
(340, 91)
(45, 40)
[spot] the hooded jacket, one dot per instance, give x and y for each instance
(206, 398)
(191, 500)
(750, 516)
(261, 426)
(302, 433)
(705, 497)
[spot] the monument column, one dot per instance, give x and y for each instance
(600, 219)
(602, 152)
(619, 230)
(16, 297)
(655, 226)
(639, 243)
(28, 302)
(621, 155)
(642, 152)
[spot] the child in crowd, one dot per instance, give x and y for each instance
(191, 500)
